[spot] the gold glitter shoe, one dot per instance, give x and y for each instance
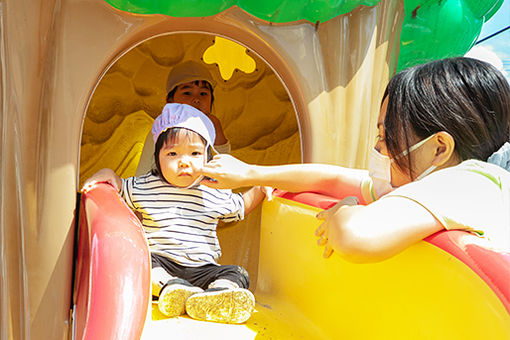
(221, 305)
(156, 289)
(173, 296)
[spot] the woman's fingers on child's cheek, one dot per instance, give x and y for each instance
(202, 170)
(210, 165)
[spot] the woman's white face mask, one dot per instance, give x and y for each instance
(379, 168)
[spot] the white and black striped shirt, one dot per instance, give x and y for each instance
(180, 223)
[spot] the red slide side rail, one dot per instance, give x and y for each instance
(490, 265)
(113, 269)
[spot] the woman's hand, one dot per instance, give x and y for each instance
(226, 172)
(330, 224)
(375, 232)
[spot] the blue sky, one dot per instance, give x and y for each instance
(499, 44)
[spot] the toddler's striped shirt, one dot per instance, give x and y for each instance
(180, 223)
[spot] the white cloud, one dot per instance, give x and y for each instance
(487, 53)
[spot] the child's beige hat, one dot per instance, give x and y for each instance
(187, 72)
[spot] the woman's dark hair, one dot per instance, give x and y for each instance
(465, 97)
(170, 136)
(170, 95)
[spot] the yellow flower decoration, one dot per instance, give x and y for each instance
(229, 56)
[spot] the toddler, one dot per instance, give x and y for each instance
(180, 216)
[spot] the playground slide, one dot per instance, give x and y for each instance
(446, 287)
(112, 286)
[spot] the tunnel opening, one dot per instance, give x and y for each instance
(250, 100)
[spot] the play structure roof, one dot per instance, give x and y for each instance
(432, 29)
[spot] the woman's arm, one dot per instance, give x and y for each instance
(331, 180)
(104, 175)
(377, 231)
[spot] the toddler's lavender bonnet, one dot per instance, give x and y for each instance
(184, 116)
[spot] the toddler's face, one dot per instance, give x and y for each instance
(179, 159)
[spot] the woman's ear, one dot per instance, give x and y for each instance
(445, 148)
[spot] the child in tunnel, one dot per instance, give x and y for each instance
(188, 83)
(180, 216)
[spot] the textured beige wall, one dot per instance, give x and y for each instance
(55, 53)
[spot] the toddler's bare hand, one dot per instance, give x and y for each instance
(268, 192)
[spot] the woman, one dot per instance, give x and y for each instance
(441, 161)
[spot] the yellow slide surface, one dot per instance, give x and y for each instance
(422, 293)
